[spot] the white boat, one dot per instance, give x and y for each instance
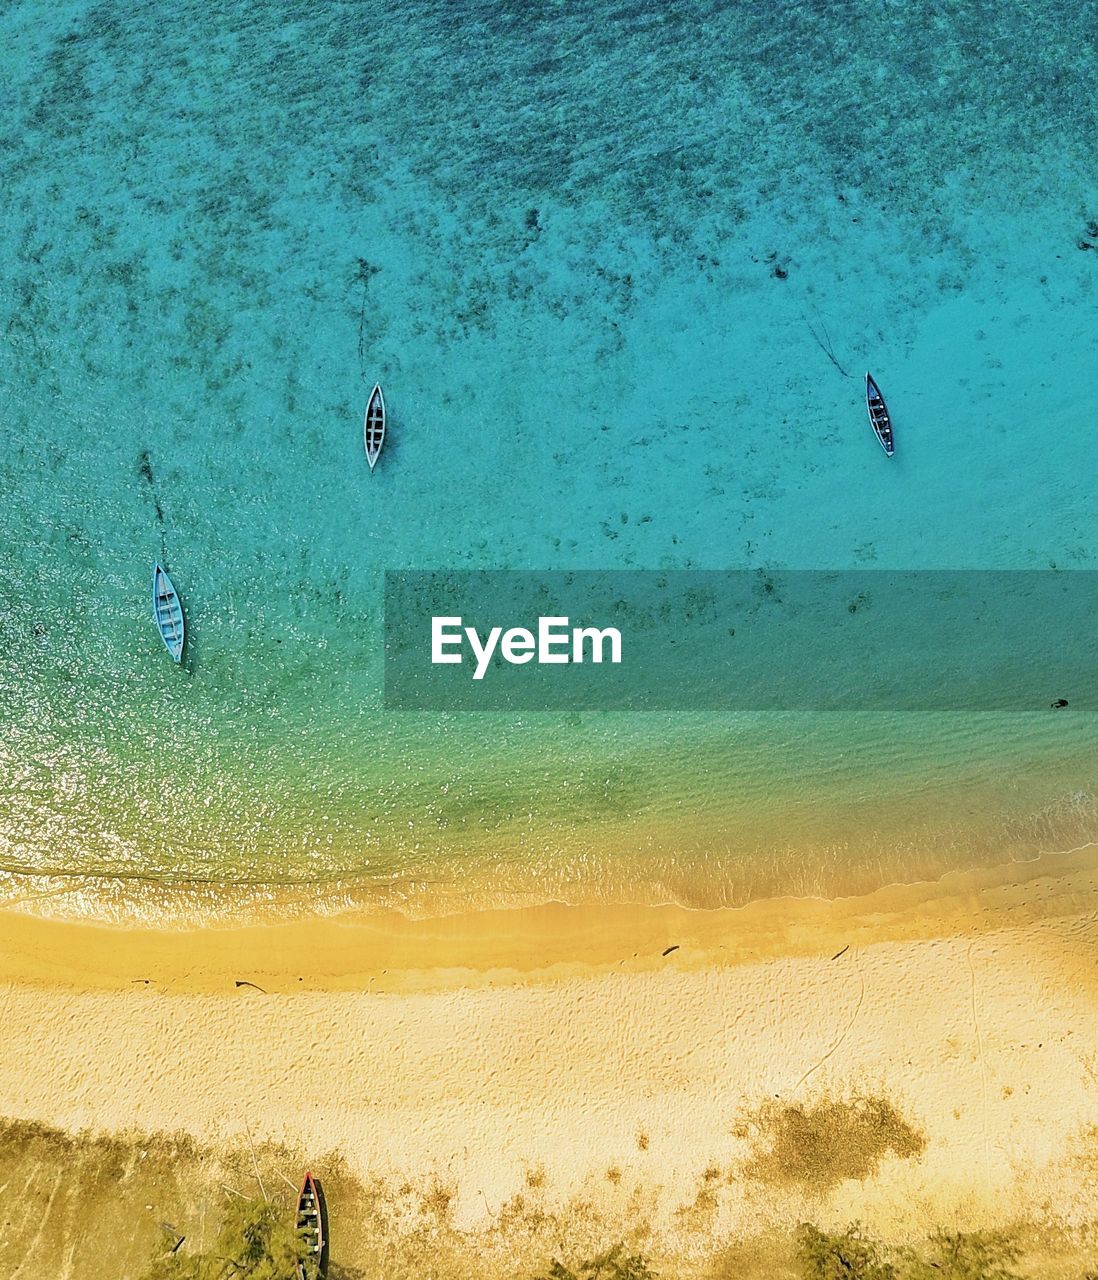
(373, 426)
(168, 613)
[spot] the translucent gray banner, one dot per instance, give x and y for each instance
(803, 640)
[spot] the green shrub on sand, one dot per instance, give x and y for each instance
(977, 1255)
(613, 1265)
(850, 1255)
(254, 1242)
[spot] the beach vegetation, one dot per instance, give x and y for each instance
(946, 1255)
(614, 1264)
(153, 1205)
(256, 1241)
(816, 1147)
(813, 1254)
(959, 1255)
(848, 1255)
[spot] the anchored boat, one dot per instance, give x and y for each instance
(168, 613)
(312, 1228)
(373, 428)
(878, 415)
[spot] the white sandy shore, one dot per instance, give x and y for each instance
(983, 1032)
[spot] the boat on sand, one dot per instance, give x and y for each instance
(312, 1230)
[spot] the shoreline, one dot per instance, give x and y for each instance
(393, 952)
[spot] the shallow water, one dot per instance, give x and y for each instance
(620, 271)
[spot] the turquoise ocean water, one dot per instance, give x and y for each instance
(620, 269)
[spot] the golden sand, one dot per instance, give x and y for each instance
(391, 952)
(577, 1042)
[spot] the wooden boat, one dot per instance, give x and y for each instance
(373, 428)
(312, 1227)
(168, 613)
(878, 415)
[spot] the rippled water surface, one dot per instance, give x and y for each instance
(620, 269)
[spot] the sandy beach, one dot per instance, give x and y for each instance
(522, 987)
(624, 1058)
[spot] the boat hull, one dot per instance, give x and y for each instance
(879, 418)
(373, 426)
(312, 1225)
(168, 613)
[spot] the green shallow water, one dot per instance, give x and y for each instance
(612, 267)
